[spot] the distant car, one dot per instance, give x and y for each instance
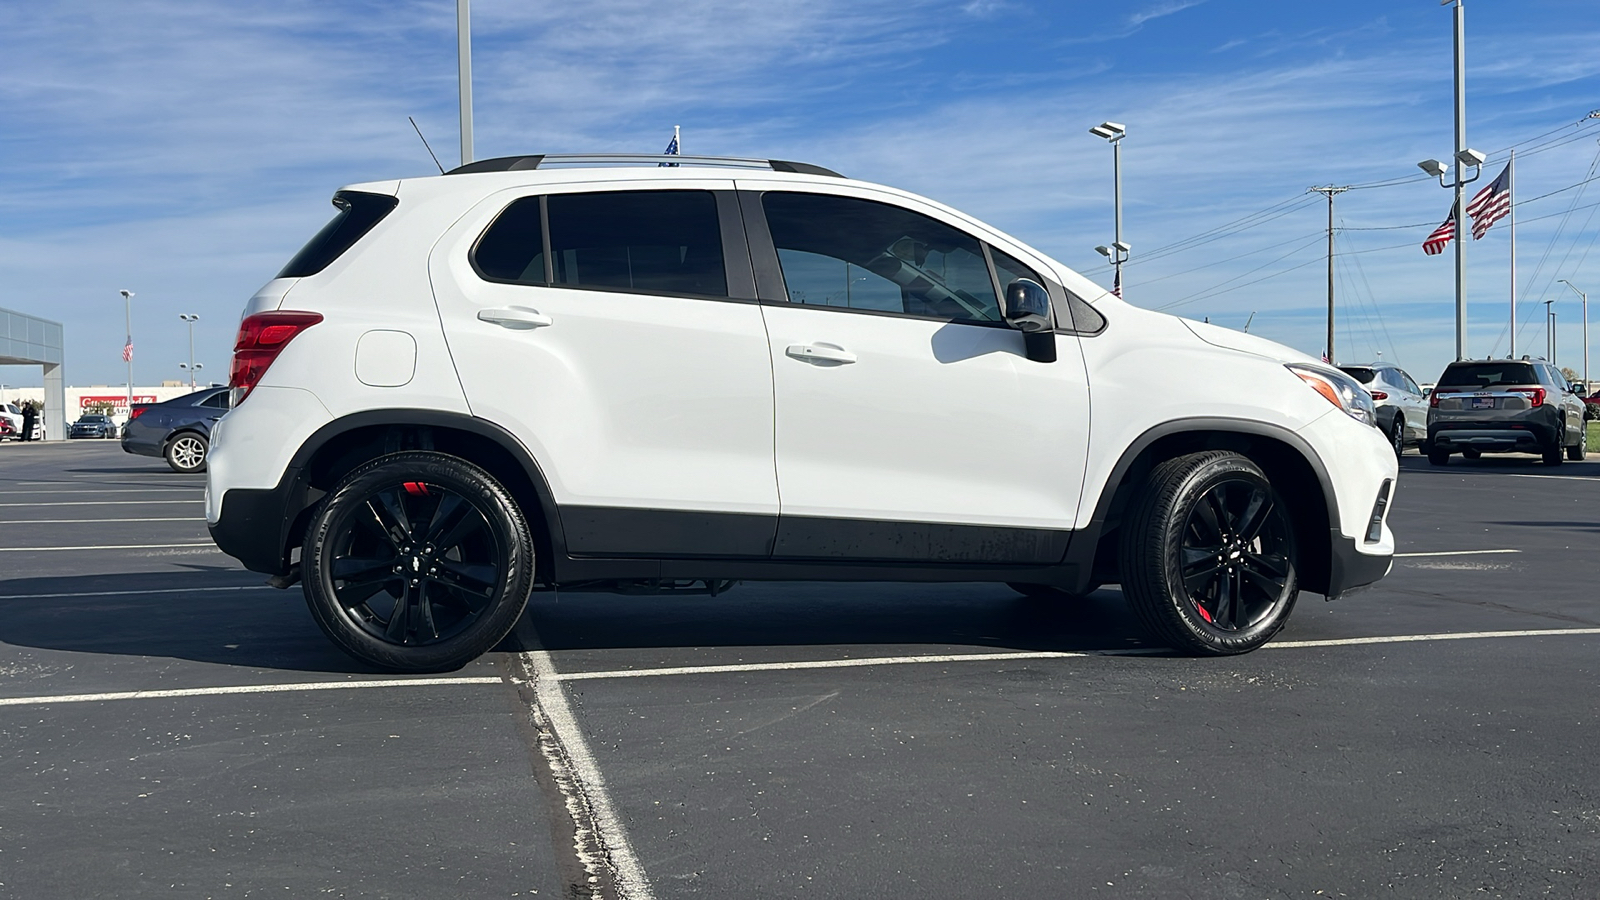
(1591, 406)
(93, 425)
(1402, 404)
(11, 414)
(1505, 405)
(178, 430)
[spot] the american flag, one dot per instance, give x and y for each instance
(1490, 204)
(127, 350)
(672, 150)
(1441, 236)
(1116, 284)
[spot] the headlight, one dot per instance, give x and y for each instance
(1339, 389)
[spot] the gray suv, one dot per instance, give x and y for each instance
(1504, 405)
(1402, 407)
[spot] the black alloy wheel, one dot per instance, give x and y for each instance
(1208, 557)
(418, 562)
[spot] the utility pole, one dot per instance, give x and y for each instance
(464, 75)
(190, 318)
(1330, 192)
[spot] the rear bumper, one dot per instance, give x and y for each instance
(1529, 438)
(252, 526)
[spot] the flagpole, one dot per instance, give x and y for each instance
(677, 139)
(1511, 181)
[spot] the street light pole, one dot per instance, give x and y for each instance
(464, 76)
(191, 318)
(1585, 297)
(1461, 147)
(127, 347)
(1549, 332)
(1118, 252)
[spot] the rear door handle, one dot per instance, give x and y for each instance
(821, 353)
(517, 318)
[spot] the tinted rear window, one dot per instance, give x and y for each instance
(513, 248)
(1481, 375)
(1364, 376)
(358, 212)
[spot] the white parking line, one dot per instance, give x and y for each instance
(103, 503)
(573, 762)
(1454, 553)
(98, 521)
(1004, 657)
(198, 590)
(96, 493)
(107, 547)
(244, 689)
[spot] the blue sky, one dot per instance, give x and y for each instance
(184, 150)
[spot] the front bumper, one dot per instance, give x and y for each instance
(1353, 571)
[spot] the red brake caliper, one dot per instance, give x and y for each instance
(416, 489)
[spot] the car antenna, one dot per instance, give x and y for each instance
(1248, 321)
(425, 144)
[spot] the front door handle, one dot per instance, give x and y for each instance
(820, 353)
(517, 318)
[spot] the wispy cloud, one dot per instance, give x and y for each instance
(1133, 22)
(1160, 10)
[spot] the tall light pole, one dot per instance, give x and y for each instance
(1549, 332)
(127, 346)
(1117, 253)
(190, 318)
(1464, 158)
(1330, 192)
(464, 77)
(1585, 334)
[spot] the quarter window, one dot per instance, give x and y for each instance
(859, 254)
(659, 242)
(513, 247)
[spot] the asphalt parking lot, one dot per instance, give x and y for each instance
(171, 727)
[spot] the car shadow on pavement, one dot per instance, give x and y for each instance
(1519, 464)
(804, 613)
(206, 615)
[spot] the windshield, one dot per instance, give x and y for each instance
(1481, 375)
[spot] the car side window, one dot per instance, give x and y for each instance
(657, 242)
(1410, 384)
(861, 254)
(216, 401)
(512, 249)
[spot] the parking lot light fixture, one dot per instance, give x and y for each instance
(1115, 132)
(190, 318)
(1434, 167)
(1585, 298)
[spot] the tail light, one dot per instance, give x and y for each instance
(1433, 399)
(1535, 395)
(261, 338)
(1379, 395)
(136, 412)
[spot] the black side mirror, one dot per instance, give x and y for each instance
(1027, 309)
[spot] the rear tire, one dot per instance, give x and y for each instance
(1438, 457)
(417, 562)
(1578, 451)
(1397, 437)
(186, 453)
(1208, 555)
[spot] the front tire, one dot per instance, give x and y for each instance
(1438, 457)
(1578, 451)
(418, 562)
(186, 453)
(1397, 438)
(1208, 555)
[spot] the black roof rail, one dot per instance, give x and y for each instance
(523, 163)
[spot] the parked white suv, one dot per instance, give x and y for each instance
(576, 373)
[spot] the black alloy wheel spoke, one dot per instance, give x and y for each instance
(355, 570)
(1233, 560)
(1207, 514)
(1256, 511)
(452, 521)
(478, 578)
(389, 519)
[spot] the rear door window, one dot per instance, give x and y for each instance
(657, 242)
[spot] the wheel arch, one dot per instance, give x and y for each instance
(1290, 462)
(338, 447)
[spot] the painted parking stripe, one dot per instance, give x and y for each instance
(108, 547)
(1454, 553)
(96, 493)
(103, 503)
(1005, 657)
(574, 763)
(247, 689)
(136, 593)
(99, 521)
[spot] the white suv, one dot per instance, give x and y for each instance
(576, 373)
